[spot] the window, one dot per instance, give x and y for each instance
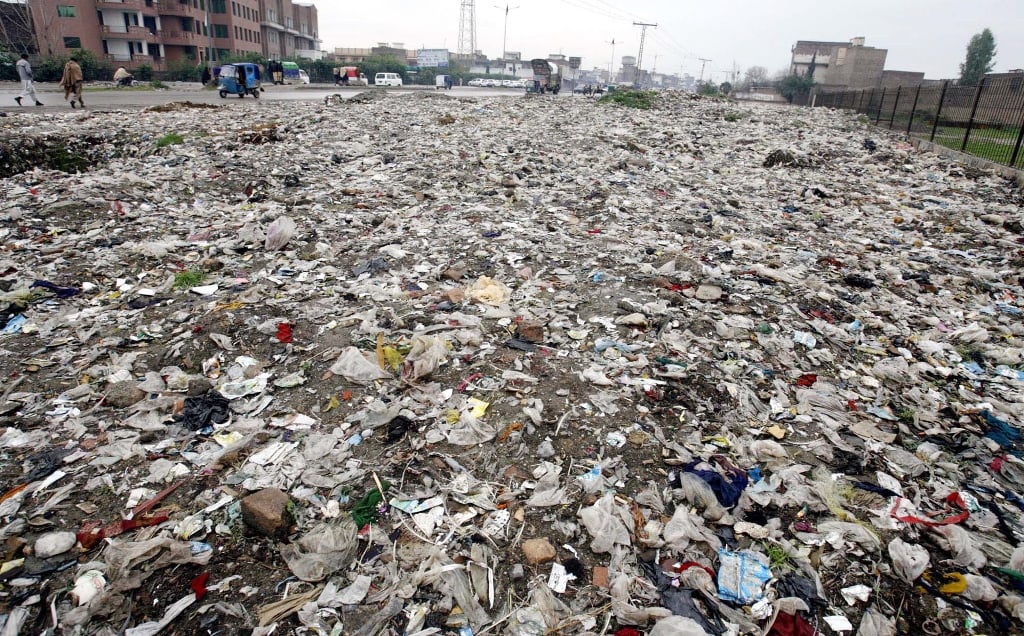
(72, 43)
(220, 31)
(218, 6)
(186, 25)
(66, 11)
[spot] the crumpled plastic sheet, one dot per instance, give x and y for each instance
(356, 367)
(606, 522)
(909, 560)
(323, 550)
(742, 575)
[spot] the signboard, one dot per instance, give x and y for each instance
(432, 58)
(574, 63)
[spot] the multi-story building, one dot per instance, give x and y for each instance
(289, 29)
(159, 32)
(839, 64)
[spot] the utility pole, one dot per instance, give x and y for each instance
(702, 63)
(611, 65)
(640, 56)
(504, 37)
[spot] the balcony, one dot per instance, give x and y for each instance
(123, 32)
(123, 5)
(173, 7)
(177, 38)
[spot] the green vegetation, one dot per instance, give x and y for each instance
(157, 84)
(777, 556)
(708, 89)
(796, 87)
(734, 116)
(644, 100)
(905, 414)
(171, 139)
(981, 50)
(188, 279)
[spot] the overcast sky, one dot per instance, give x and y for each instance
(921, 35)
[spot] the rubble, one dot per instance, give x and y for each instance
(397, 364)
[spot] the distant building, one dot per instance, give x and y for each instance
(159, 32)
(835, 65)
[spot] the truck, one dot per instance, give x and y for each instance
(547, 78)
(349, 76)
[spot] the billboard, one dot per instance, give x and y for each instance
(574, 63)
(432, 58)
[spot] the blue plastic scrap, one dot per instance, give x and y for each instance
(727, 491)
(1004, 433)
(742, 575)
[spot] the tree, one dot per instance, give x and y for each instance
(796, 87)
(374, 64)
(725, 87)
(707, 88)
(755, 75)
(981, 52)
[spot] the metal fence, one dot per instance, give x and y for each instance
(986, 120)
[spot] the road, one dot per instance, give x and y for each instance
(105, 98)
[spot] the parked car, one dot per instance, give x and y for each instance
(387, 79)
(303, 76)
(476, 82)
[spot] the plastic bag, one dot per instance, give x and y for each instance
(355, 367)
(488, 291)
(875, 624)
(960, 544)
(979, 588)
(322, 551)
(604, 524)
(699, 493)
(909, 560)
(204, 410)
(677, 626)
(742, 575)
(279, 233)
(426, 355)
(683, 528)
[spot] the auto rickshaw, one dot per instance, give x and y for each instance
(240, 79)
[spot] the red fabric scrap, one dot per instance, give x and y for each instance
(199, 585)
(953, 498)
(93, 532)
(791, 625)
(284, 332)
(627, 631)
(807, 379)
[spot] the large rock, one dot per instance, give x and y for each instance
(124, 394)
(266, 512)
(538, 551)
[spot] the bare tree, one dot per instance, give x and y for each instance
(16, 33)
(756, 75)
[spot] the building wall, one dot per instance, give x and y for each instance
(857, 66)
(288, 28)
(134, 32)
(892, 79)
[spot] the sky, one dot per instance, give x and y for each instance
(920, 35)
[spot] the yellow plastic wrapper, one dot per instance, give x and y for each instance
(479, 407)
(488, 291)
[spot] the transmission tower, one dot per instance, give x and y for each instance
(467, 30)
(640, 55)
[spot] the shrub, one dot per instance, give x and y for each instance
(157, 84)
(171, 139)
(643, 100)
(143, 73)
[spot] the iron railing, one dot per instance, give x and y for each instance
(986, 120)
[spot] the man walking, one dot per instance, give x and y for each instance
(25, 73)
(72, 82)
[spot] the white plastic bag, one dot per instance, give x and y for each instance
(322, 551)
(279, 233)
(355, 367)
(604, 524)
(678, 626)
(909, 560)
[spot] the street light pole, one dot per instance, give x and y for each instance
(504, 37)
(611, 64)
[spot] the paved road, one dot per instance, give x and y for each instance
(105, 98)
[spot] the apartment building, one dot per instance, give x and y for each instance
(289, 29)
(159, 32)
(839, 64)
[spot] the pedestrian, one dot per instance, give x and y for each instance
(25, 73)
(206, 75)
(72, 82)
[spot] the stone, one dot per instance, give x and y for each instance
(538, 551)
(54, 543)
(266, 512)
(124, 394)
(198, 386)
(531, 330)
(709, 292)
(600, 577)
(518, 572)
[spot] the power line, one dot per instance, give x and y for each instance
(703, 61)
(640, 56)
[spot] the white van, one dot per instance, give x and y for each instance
(387, 79)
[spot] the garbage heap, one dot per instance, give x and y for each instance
(430, 365)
